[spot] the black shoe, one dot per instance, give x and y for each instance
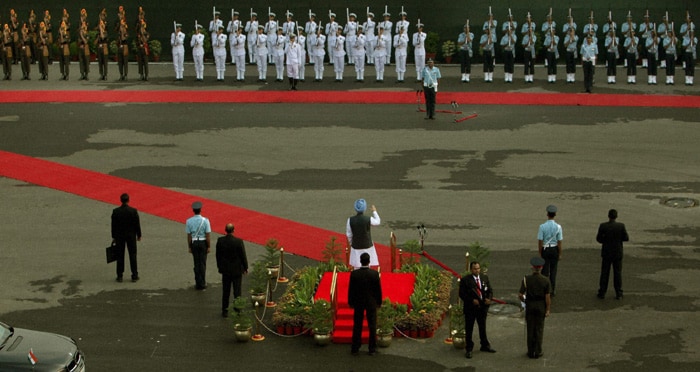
(469, 355)
(135, 278)
(120, 279)
(538, 355)
(601, 296)
(618, 296)
(488, 349)
(224, 313)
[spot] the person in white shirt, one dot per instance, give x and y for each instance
(318, 52)
(197, 44)
(350, 35)
(371, 39)
(400, 54)
(278, 45)
(358, 50)
(310, 29)
(380, 53)
(386, 31)
(219, 46)
(251, 28)
(177, 41)
(271, 31)
(419, 50)
(233, 25)
(301, 39)
(331, 32)
(261, 50)
(238, 44)
(294, 58)
(339, 55)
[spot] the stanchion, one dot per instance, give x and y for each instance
(281, 278)
(467, 258)
(448, 340)
(270, 279)
(257, 336)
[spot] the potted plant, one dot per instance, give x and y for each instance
(156, 49)
(258, 280)
(448, 50)
(321, 321)
(432, 40)
(242, 320)
(272, 256)
(480, 253)
(387, 316)
(113, 50)
(457, 330)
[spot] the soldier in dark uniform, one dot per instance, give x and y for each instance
(535, 292)
(143, 36)
(43, 46)
(64, 50)
(32, 25)
(26, 50)
(14, 29)
(102, 42)
(123, 50)
(7, 52)
(83, 51)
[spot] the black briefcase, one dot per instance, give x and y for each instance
(111, 253)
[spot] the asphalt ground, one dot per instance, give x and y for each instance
(487, 179)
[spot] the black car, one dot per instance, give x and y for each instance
(27, 350)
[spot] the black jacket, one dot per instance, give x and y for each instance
(125, 223)
(365, 289)
(230, 255)
(611, 235)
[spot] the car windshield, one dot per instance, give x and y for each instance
(5, 333)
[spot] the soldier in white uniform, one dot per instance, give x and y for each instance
(385, 25)
(400, 53)
(358, 51)
(310, 29)
(301, 39)
(339, 55)
(219, 46)
(277, 51)
(271, 31)
(402, 23)
(232, 28)
(380, 53)
(331, 32)
(318, 52)
(294, 56)
(419, 50)
(289, 25)
(238, 44)
(214, 25)
(177, 41)
(350, 31)
(261, 50)
(371, 39)
(197, 44)
(251, 28)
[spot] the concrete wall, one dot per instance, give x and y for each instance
(444, 17)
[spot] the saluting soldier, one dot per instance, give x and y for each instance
(419, 50)
(400, 54)
(143, 49)
(464, 42)
(331, 35)
(123, 50)
(26, 51)
(197, 45)
(569, 24)
(102, 41)
(238, 44)
(279, 44)
(612, 43)
(551, 44)
(219, 46)
(511, 23)
(339, 55)
(369, 30)
(271, 30)
(261, 50)
(214, 25)
(177, 43)
(64, 44)
(670, 47)
(645, 29)
(49, 32)
(652, 46)
(289, 25)
(402, 23)
(33, 32)
(627, 29)
(488, 39)
(632, 50)
(350, 31)
(528, 43)
(251, 29)
(508, 44)
(301, 39)
(662, 32)
(15, 30)
(232, 28)
(7, 52)
(43, 47)
(690, 43)
(380, 53)
(358, 50)
(83, 51)
(318, 52)
(386, 30)
(571, 45)
(310, 29)
(591, 28)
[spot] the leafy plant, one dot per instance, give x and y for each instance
(478, 252)
(156, 47)
(258, 277)
(333, 256)
(321, 317)
(388, 314)
(432, 40)
(241, 314)
(411, 252)
(457, 326)
(448, 48)
(272, 253)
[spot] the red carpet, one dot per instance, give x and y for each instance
(297, 238)
(347, 97)
(397, 287)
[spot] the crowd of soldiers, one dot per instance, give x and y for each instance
(659, 46)
(32, 42)
(284, 42)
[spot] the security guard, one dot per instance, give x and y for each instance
(535, 293)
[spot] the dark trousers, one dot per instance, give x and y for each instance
(84, 62)
(199, 256)
(465, 62)
(44, 65)
(616, 264)
(588, 68)
(64, 65)
(551, 261)
(670, 64)
(488, 61)
(143, 63)
(26, 62)
(358, 316)
(611, 61)
(123, 62)
(528, 63)
(653, 65)
(551, 63)
(570, 63)
(534, 316)
(631, 64)
(508, 62)
(102, 60)
(130, 244)
(228, 281)
(689, 64)
(430, 96)
(6, 64)
(478, 315)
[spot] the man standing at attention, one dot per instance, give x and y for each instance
(476, 293)
(198, 232)
(126, 230)
(611, 234)
(535, 291)
(364, 297)
(431, 77)
(359, 234)
(232, 263)
(549, 239)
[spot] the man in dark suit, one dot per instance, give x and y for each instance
(476, 293)
(611, 234)
(364, 296)
(232, 263)
(126, 230)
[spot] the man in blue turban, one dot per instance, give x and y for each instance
(358, 231)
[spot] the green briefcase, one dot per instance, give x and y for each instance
(111, 253)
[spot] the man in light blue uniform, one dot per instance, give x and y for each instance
(549, 239)
(198, 231)
(431, 77)
(589, 53)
